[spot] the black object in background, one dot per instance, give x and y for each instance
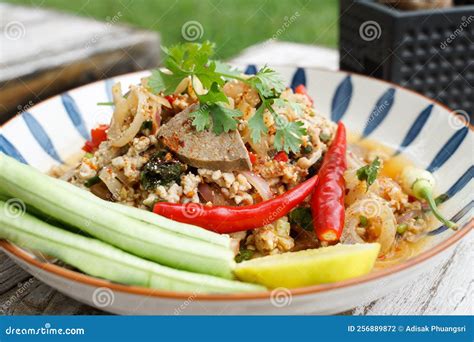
(429, 51)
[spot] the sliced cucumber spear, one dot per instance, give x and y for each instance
(98, 219)
(102, 260)
(147, 216)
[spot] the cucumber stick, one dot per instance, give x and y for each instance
(102, 260)
(157, 220)
(97, 219)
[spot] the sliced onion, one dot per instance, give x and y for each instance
(370, 207)
(112, 183)
(182, 86)
(197, 86)
(67, 175)
(235, 239)
(353, 161)
(160, 100)
(101, 191)
(120, 110)
(403, 252)
(261, 148)
(210, 194)
(122, 178)
(260, 184)
(125, 136)
(409, 215)
(157, 119)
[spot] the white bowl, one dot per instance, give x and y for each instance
(50, 132)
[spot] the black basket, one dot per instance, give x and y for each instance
(429, 51)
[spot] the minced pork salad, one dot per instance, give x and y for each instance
(198, 135)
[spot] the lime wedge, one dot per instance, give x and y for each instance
(310, 267)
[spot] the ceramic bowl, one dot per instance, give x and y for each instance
(50, 132)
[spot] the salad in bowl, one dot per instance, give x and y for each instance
(210, 180)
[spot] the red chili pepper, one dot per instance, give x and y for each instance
(281, 156)
(228, 219)
(253, 157)
(327, 202)
(98, 135)
(301, 89)
(170, 98)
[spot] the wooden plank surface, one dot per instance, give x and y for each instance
(446, 290)
(43, 53)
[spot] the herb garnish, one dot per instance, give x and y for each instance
(302, 217)
(193, 60)
(244, 254)
(369, 172)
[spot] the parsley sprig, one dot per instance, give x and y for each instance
(369, 172)
(194, 60)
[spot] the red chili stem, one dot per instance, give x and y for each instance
(327, 202)
(228, 219)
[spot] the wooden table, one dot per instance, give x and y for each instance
(447, 289)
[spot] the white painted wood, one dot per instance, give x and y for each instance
(446, 290)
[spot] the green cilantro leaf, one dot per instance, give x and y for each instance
(296, 107)
(257, 125)
(368, 173)
(227, 71)
(288, 136)
(214, 95)
(244, 254)
(302, 217)
(194, 60)
(223, 118)
(160, 81)
(268, 82)
(183, 60)
(155, 81)
(201, 118)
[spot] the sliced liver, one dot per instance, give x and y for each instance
(225, 152)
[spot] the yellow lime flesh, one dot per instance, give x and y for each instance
(310, 267)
